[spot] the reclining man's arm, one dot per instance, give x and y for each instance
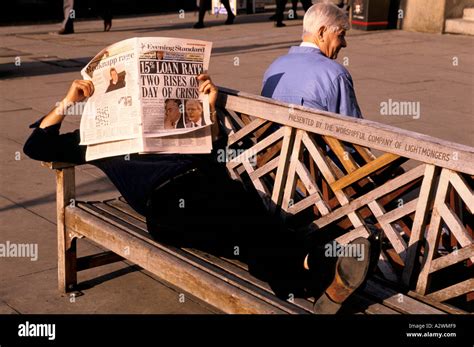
(79, 91)
(46, 144)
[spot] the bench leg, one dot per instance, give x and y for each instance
(67, 256)
(67, 263)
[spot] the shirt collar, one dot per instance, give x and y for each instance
(308, 44)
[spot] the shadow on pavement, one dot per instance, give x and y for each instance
(83, 190)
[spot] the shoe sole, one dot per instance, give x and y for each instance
(350, 274)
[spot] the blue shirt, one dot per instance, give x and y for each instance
(308, 78)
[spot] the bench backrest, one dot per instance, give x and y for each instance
(302, 160)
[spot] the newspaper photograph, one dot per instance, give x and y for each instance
(145, 89)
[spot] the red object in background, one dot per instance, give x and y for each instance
(370, 14)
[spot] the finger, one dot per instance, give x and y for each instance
(204, 85)
(203, 77)
(88, 87)
(91, 86)
(208, 90)
(204, 89)
(84, 88)
(212, 88)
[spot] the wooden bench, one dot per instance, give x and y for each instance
(295, 172)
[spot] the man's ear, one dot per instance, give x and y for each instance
(321, 32)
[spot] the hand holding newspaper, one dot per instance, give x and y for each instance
(146, 98)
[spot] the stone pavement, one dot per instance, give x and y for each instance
(435, 70)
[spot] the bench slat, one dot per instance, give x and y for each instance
(399, 301)
(246, 276)
(124, 207)
(441, 306)
(361, 304)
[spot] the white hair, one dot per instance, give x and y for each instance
(324, 14)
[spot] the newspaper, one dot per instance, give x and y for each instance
(146, 98)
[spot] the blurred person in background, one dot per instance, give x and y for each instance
(205, 4)
(104, 7)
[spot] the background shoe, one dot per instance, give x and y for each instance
(65, 31)
(230, 19)
(107, 25)
(350, 274)
(280, 24)
(199, 25)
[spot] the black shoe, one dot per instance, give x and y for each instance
(230, 19)
(280, 24)
(350, 273)
(199, 25)
(65, 31)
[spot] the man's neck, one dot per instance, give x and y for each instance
(309, 41)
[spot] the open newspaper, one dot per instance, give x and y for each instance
(146, 98)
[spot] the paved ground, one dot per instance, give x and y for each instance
(435, 70)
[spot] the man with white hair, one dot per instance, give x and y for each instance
(309, 75)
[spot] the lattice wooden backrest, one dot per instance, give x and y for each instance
(335, 169)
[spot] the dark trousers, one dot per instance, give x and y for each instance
(68, 21)
(102, 8)
(205, 209)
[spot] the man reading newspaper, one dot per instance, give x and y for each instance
(190, 200)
